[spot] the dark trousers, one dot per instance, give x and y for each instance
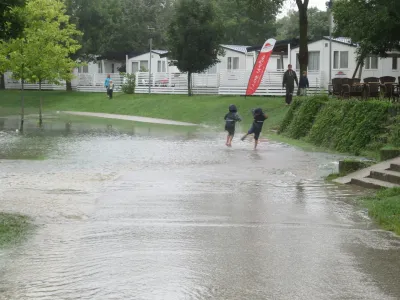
(110, 93)
(289, 94)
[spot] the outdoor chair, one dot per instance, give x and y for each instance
(387, 86)
(372, 85)
(337, 87)
(352, 88)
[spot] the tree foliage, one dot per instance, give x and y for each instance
(247, 24)
(318, 24)
(10, 24)
(42, 51)
(374, 24)
(194, 36)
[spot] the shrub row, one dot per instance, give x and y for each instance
(344, 125)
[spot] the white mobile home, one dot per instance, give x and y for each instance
(101, 66)
(141, 63)
(344, 61)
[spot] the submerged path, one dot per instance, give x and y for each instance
(126, 216)
(129, 118)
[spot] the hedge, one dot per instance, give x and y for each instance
(349, 126)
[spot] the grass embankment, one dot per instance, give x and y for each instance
(196, 109)
(384, 207)
(349, 126)
(13, 228)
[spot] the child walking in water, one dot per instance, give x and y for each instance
(256, 127)
(230, 122)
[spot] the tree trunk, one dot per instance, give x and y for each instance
(40, 104)
(21, 127)
(355, 71)
(2, 82)
(69, 85)
(189, 84)
(303, 51)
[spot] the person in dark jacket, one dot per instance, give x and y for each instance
(256, 127)
(303, 84)
(230, 123)
(289, 77)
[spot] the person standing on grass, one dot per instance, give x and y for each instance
(107, 83)
(110, 89)
(230, 122)
(303, 84)
(256, 127)
(289, 77)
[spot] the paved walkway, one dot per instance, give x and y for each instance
(128, 118)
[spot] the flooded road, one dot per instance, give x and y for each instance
(153, 213)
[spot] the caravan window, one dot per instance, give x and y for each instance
(394, 63)
(135, 67)
(313, 61)
(161, 66)
(340, 60)
(279, 64)
(233, 63)
(371, 63)
(144, 66)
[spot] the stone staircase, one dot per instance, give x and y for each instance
(382, 175)
(377, 179)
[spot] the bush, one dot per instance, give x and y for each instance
(129, 83)
(394, 131)
(304, 117)
(347, 126)
(361, 125)
(290, 115)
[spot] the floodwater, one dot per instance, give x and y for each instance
(153, 213)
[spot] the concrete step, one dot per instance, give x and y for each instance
(372, 183)
(386, 175)
(394, 167)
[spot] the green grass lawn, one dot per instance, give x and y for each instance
(384, 207)
(195, 109)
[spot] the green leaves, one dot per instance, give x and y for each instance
(48, 38)
(318, 24)
(194, 36)
(347, 126)
(374, 24)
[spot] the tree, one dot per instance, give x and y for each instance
(374, 24)
(194, 37)
(10, 27)
(302, 6)
(247, 24)
(48, 39)
(318, 26)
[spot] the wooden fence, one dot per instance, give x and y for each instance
(226, 82)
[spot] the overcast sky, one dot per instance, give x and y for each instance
(291, 4)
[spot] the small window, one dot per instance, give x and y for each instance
(135, 67)
(161, 68)
(340, 60)
(371, 63)
(313, 61)
(100, 67)
(85, 69)
(279, 64)
(394, 63)
(112, 68)
(144, 65)
(233, 63)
